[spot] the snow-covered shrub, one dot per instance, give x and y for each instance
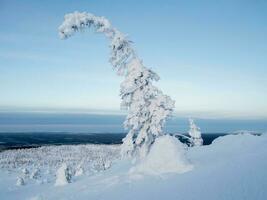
(63, 175)
(167, 155)
(79, 171)
(25, 171)
(195, 134)
(107, 164)
(20, 181)
(147, 106)
(35, 174)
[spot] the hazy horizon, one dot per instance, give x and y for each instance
(184, 114)
(113, 123)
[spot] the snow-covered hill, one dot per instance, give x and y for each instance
(232, 167)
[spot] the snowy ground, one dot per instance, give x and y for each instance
(232, 167)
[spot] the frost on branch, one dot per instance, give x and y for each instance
(119, 45)
(147, 106)
(195, 134)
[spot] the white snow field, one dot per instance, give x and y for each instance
(232, 167)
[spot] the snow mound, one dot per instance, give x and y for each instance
(167, 155)
(244, 140)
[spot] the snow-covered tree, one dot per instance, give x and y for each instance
(79, 171)
(20, 181)
(35, 174)
(147, 106)
(195, 133)
(63, 175)
(25, 171)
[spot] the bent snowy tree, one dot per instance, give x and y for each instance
(148, 108)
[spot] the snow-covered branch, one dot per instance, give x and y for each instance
(120, 46)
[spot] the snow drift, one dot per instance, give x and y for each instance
(167, 155)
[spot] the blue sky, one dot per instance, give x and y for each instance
(210, 55)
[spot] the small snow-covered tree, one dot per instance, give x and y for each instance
(79, 171)
(20, 181)
(195, 133)
(63, 175)
(35, 174)
(25, 171)
(147, 106)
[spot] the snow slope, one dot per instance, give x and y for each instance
(232, 167)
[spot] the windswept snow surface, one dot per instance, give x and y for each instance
(232, 167)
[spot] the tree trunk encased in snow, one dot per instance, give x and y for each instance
(147, 106)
